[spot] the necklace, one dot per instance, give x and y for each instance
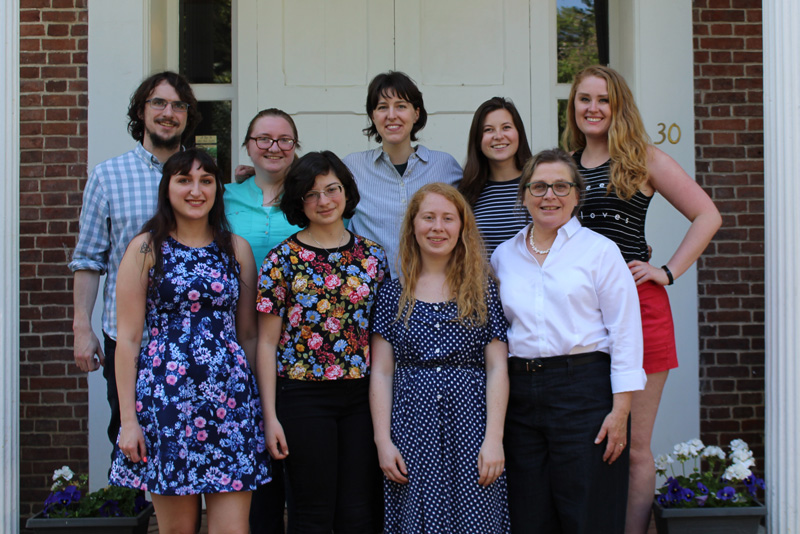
(344, 233)
(533, 245)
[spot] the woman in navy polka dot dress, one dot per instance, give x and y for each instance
(438, 413)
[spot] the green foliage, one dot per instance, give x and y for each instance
(577, 40)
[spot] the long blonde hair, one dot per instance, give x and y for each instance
(467, 272)
(627, 138)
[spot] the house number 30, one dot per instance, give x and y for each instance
(671, 134)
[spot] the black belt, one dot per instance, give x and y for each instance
(534, 365)
(424, 364)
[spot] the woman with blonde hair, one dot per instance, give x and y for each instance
(623, 171)
(439, 377)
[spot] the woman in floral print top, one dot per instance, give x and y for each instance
(315, 295)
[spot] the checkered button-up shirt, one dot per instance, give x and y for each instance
(120, 196)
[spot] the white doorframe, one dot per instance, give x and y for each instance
(9, 259)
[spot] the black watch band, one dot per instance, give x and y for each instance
(669, 275)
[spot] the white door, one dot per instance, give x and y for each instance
(316, 58)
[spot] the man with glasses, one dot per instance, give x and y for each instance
(120, 196)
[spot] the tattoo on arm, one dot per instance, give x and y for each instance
(145, 248)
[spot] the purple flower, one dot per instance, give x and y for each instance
(110, 508)
(687, 495)
(726, 494)
(752, 483)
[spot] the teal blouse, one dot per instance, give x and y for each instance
(262, 226)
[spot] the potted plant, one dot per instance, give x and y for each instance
(717, 495)
(70, 509)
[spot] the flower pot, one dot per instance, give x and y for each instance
(735, 520)
(91, 525)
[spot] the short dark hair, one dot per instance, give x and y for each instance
(405, 88)
(142, 93)
(300, 180)
(553, 155)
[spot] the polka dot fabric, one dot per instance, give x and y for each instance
(439, 418)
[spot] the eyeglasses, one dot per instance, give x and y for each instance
(560, 189)
(332, 191)
(178, 106)
(265, 143)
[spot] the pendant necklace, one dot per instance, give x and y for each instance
(320, 245)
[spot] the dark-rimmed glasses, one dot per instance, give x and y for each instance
(265, 143)
(560, 189)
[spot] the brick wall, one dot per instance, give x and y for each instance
(53, 72)
(730, 166)
(53, 107)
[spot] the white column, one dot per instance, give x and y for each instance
(9, 267)
(782, 252)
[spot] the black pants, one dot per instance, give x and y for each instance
(110, 349)
(268, 503)
(557, 480)
(333, 481)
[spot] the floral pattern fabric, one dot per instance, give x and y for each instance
(196, 397)
(325, 299)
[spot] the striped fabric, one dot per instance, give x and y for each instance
(498, 217)
(608, 215)
(385, 194)
(120, 196)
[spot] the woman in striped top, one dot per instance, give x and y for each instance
(623, 171)
(496, 152)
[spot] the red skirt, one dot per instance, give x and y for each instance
(658, 330)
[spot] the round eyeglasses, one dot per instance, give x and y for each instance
(265, 143)
(177, 106)
(560, 189)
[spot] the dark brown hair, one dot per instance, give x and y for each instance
(300, 180)
(142, 93)
(476, 170)
(404, 87)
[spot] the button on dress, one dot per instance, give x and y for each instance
(439, 418)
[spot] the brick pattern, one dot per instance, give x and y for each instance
(53, 109)
(729, 137)
(730, 166)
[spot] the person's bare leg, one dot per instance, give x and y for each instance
(642, 477)
(228, 513)
(176, 514)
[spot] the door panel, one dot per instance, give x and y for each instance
(316, 58)
(460, 57)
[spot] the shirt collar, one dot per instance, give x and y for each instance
(149, 158)
(420, 151)
(565, 233)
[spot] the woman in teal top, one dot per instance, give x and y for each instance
(252, 205)
(252, 208)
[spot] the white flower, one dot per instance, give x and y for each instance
(685, 451)
(663, 461)
(737, 472)
(742, 456)
(65, 472)
(739, 444)
(695, 446)
(713, 450)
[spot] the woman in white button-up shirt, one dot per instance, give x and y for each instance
(575, 347)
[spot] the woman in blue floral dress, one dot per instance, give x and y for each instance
(315, 295)
(440, 381)
(191, 417)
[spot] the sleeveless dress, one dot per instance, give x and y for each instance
(439, 418)
(196, 396)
